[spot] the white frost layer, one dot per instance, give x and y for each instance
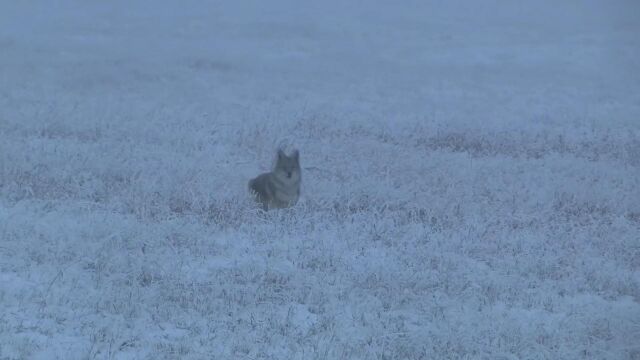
(471, 180)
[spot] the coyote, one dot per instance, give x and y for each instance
(281, 187)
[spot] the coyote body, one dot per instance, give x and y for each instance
(281, 187)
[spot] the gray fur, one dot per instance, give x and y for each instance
(279, 188)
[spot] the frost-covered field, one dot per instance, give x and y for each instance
(471, 180)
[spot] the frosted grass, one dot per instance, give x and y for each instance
(470, 184)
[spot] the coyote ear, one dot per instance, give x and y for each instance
(296, 155)
(281, 154)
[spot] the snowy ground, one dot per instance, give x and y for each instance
(471, 180)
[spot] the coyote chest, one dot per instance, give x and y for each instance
(286, 194)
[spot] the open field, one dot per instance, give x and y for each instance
(471, 182)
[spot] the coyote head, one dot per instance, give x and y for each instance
(288, 167)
